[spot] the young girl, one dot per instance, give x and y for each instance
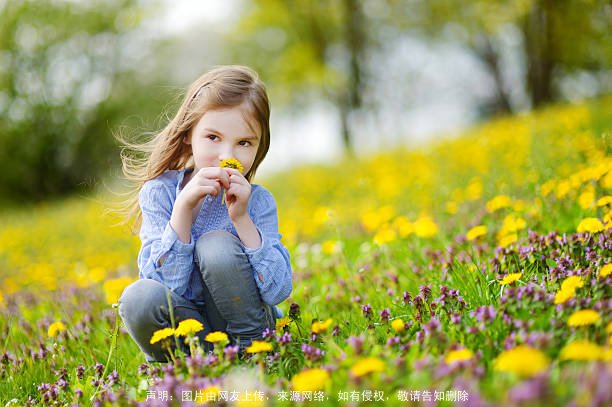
(209, 237)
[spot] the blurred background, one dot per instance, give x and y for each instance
(344, 76)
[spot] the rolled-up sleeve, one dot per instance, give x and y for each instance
(271, 263)
(163, 257)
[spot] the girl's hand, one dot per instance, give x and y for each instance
(207, 181)
(237, 195)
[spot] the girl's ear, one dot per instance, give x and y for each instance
(187, 139)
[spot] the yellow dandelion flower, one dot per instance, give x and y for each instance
(586, 199)
(604, 201)
(507, 240)
(366, 366)
(452, 207)
(476, 232)
(523, 360)
(512, 223)
(248, 402)
(259, 346)
(398, 325)
(609, 327)
(231, 163)
(562, 189)
(318, 327)
(510, 278)
(310, 380)
(55, 328)
(188, 326)
(458, 356)
(581, 350)
(591, 225)
(499, 202)
(571, 283)
(583, 317)
(547, 187)
(161, 334)
(282, 322)
(425, 227)
(209, 393)
(563, 295)
(385, 235)
(605, 270)
(114, 287)
(330, 247)
(403, 226)
(216, 336)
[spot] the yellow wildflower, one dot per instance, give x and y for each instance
(330, 247)
(318, 327)
(585, 200)
(366, 366)
(563, 188)
(310, 380)
(499, 202)
(458, 355)
(605, 270)
(384, 235)
(209, 394)
(259, 346)
(507, 240)
(398, 325)
(161, 334)
(512, 223)
(231, 163)
(523, 360)
(281, 323)
(476, 232)
(604, 201)
(55, 328)
(583, 317)
(591, 225)
(249, 402)
(425, 227)
(510, 278)
(563, 295)
(581, 350)
(216, 336)
(571, 283)
(547, 187)
(452, 207)
(114, 287)
(188, 326)
(403, 226)
(609, 327)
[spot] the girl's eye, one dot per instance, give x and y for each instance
(212, 137)
(245, 143)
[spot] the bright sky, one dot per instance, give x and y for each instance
(180, 14)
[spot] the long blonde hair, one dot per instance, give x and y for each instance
(222, 87)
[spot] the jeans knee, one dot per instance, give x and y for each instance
(217, 252)
(140, 298)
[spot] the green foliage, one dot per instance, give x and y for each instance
(67, 81)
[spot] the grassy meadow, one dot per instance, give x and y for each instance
(474, 270)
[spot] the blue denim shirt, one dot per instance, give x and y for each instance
(164, 258)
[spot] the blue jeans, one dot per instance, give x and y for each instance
(231, 302)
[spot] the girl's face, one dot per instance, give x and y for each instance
(221, 134)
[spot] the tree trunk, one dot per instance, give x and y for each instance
(487, 53)
(355, 42)
(539, 52)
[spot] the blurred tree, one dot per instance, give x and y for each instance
(559, 37)
(308, 48)
(68, 75)
(325, 48)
